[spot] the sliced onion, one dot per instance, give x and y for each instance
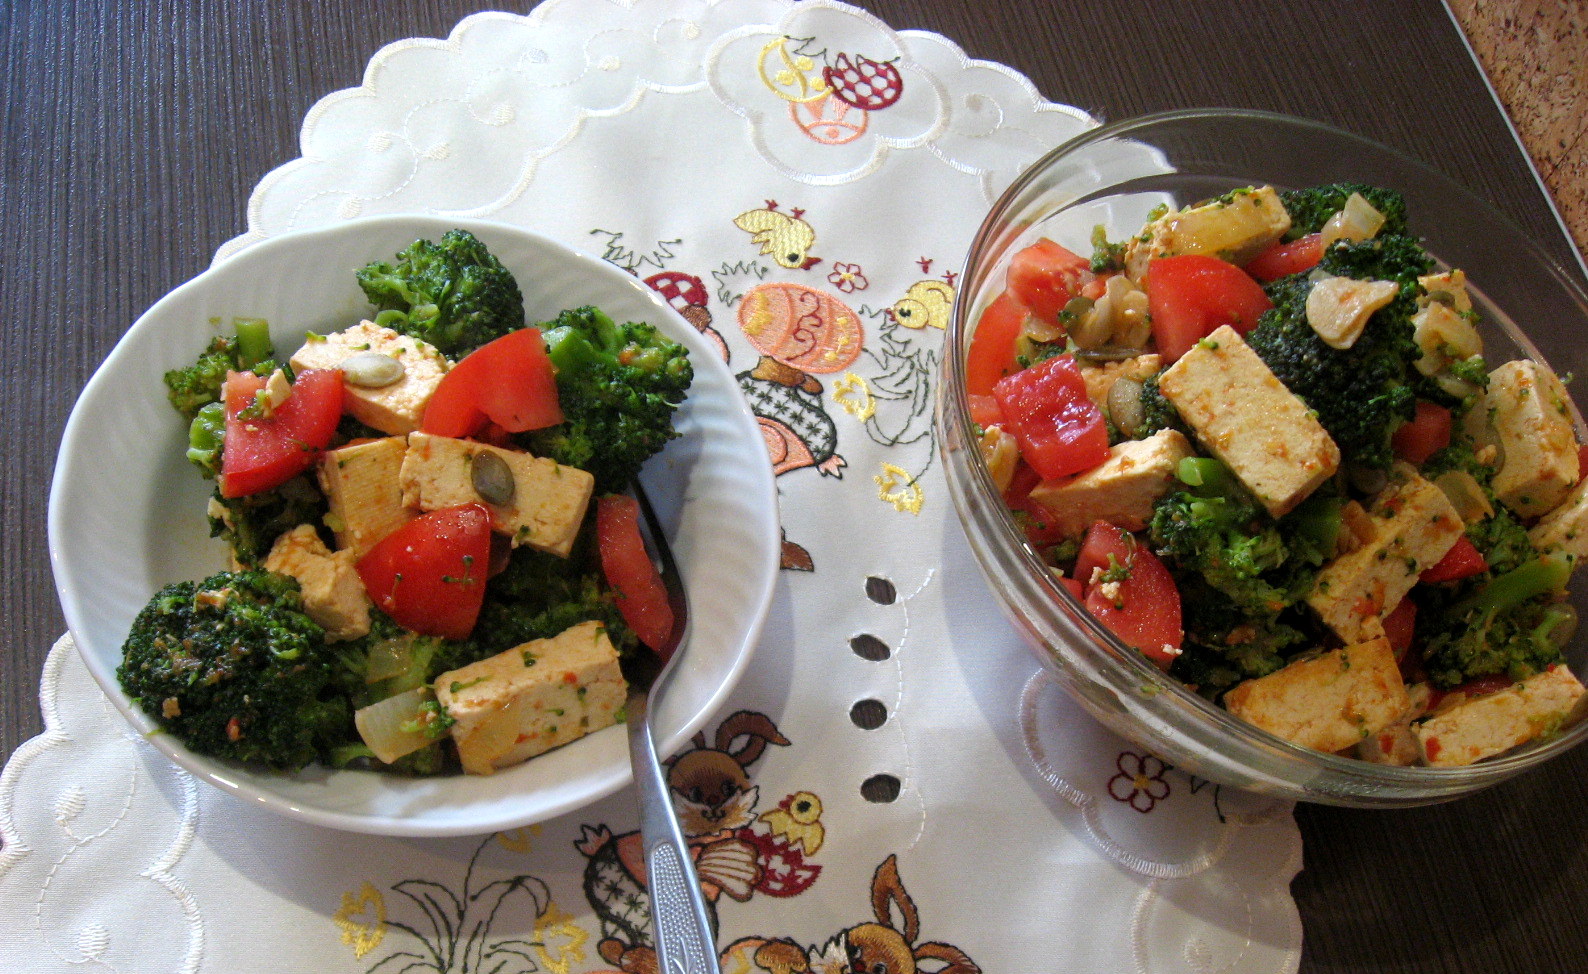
(381, 725)
(1465, 495)
(1357, 221)
(389, 658)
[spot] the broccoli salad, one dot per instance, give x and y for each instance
(1259, 440)
(434, 561)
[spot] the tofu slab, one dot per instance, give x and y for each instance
(396, 408)
(361, 485)
(548, 503)
(1121, 490)
(1236, 230)
(1532, 418)
(1328, 703)
(1246, 418)
(532, 698)
(333, 594)
(1565, 529)
(1494, 723)
(1411, 525)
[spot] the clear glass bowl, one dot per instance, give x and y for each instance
(1113, 176)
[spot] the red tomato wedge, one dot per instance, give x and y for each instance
(984, 411)
(429, 575)
(1059, 428)
(1400, 625)
(1190, 295)
(1143, 607)
(1039, 525)
(1463, 560)
(265, 452)
(1425, 435)
(1284, 259)
(992, 345)
(509, 382)
(1045, 276)
(641, 596)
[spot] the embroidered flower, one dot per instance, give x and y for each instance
(362, 919)
(1139, 782)
(848, 278)
(562, 941)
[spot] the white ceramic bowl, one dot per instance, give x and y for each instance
(127, 516)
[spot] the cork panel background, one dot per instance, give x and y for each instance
(1535, 53)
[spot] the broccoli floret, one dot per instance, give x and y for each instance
(1224, 645)
(1503, 624)
(1311, 208)
(1157, 412)
(234, 669)
(251, 524)
(205, 437)
(538, 595)
(452, 293)
(198, 385)
(618, 385)
(1213, 528)
(1386, 257)
(1360, 394)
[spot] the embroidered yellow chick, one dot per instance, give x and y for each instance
(925, 303)
(783, 236)
(798, 818)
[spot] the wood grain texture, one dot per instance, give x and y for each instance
(135, 129)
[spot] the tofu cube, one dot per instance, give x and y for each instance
(1246, 418)
(361, 484)
(1100, 379)
(1565, 529)
(395, 408)
(1235, 228)
(1496, 722)
(548, 499)
(1533, 420)
(1121, 490)
(333, 594)
(1328, 702)
(532, 698)
(1412, 525)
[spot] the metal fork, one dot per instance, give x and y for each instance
(679, 923)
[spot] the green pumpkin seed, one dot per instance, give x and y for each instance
(371, 370)
(492, 479)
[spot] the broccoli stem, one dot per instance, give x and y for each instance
(253, 341)
(1212, 477)
(1529, 580)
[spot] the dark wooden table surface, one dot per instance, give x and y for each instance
(135, 129)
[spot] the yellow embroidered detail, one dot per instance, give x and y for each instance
(790, 75)
(760, 315)
(799, 819)
(362, 933)
(518, 840)
(561, 940)
(853, 394)
(925, 304)
(898, 488)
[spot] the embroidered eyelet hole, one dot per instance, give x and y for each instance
(869, 647)
(881, 591)
(880, 789)
(868, 714)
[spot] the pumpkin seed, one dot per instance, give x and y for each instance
(492, 478)
(371, 370)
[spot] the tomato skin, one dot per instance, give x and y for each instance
(1074, 586)
(1463, 560)
(984, 411)
(266, 452)
(1045, 276)
(641, 596)
(1189, 295)
(509, 382)
(1426, 434)
(429, 575)
(992, 345)
(1284, 259)
(1144, 609)
(1400, 625)
(1059, 428)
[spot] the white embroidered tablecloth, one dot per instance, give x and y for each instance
(913, 780)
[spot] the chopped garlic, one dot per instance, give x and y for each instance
(1338, 307)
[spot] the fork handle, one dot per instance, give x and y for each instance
(679, 924)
